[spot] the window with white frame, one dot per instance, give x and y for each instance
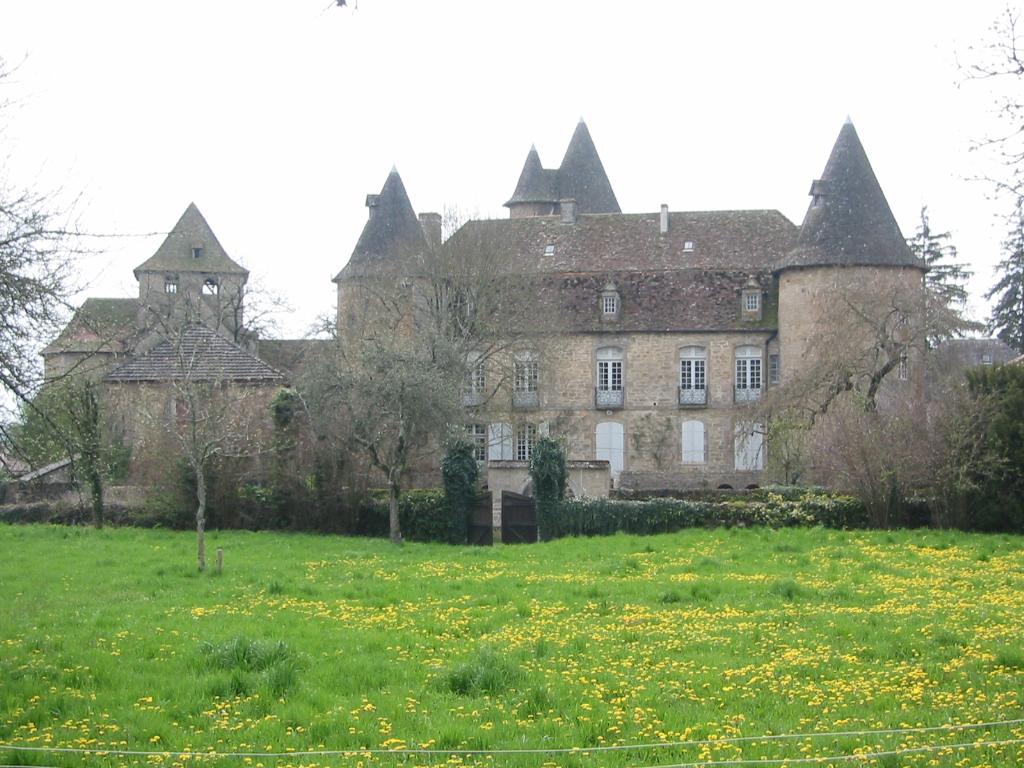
(526, 374)
(478, 436)
(693, 368)
(693, 442)
(211, 287)
(170, 284)
(609, 369)
(526, 439)
(610, 304)
(751, 301)
(748, 373)
(549, 249)
(774, 369)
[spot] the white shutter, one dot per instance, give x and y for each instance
(499, 441)
(609, 442)
(543, 430)
(749, 448)
(693, 442)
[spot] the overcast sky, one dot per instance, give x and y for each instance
(277, 118)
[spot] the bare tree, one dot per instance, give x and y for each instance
(36, 271)
(205, 396)
(396, 380)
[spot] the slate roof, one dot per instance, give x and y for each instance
(722, 240)
(175, 253)
(849, 221)
(392, 232)
(99, 325)
(198, 354)
(581, 176)
(687, 300)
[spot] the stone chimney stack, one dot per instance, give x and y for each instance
(431, 223)
(664, 218)
(371, 203)
(568, 206)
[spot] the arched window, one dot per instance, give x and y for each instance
(693, 376)
(611, 384)
(694, 443)
(748, 373)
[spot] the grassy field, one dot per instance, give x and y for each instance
(111, 640)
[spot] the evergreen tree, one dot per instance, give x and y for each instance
(946, 278)
(1007, 320)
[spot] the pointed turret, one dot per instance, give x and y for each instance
(536, 185)
(191, 246)
(392, 230)
(849, 222)
(581, 177)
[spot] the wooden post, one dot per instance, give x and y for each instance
(220, 559)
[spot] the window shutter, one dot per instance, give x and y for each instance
(693, 442)
(499, 442)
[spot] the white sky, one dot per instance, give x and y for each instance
(277, 118)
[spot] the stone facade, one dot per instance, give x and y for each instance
(663, 331)
(668, 329)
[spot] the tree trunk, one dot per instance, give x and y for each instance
(96, 495)
(201, 517)
(396, 531)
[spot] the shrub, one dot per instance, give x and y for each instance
(549, 474)
(424, 515)
(460, 472)
(595, 517)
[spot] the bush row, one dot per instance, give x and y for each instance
(597, 517)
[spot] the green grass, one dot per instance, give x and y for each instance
(111, 639)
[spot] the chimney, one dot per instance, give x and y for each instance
(371, 203)
(664, 218)
(431, 223)
(568, 206)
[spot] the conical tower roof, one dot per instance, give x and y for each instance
(392, 230)
(191, 246)
(536, 185)
(849, 221)
(581, 176)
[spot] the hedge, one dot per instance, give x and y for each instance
(423, 515)
(598, 517)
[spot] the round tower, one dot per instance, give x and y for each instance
(851, 273)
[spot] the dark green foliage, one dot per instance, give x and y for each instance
(285, 407)
(996, 501)
(549, 473)
(460, 473)
(424, 516)
(946, 278)
(594, 517)
(1007, 320)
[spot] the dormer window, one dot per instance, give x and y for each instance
(610, 302)
(211, 287)
(197, 251)
(549, 249)
(688, 246)
(750, 301)
(170, 284)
